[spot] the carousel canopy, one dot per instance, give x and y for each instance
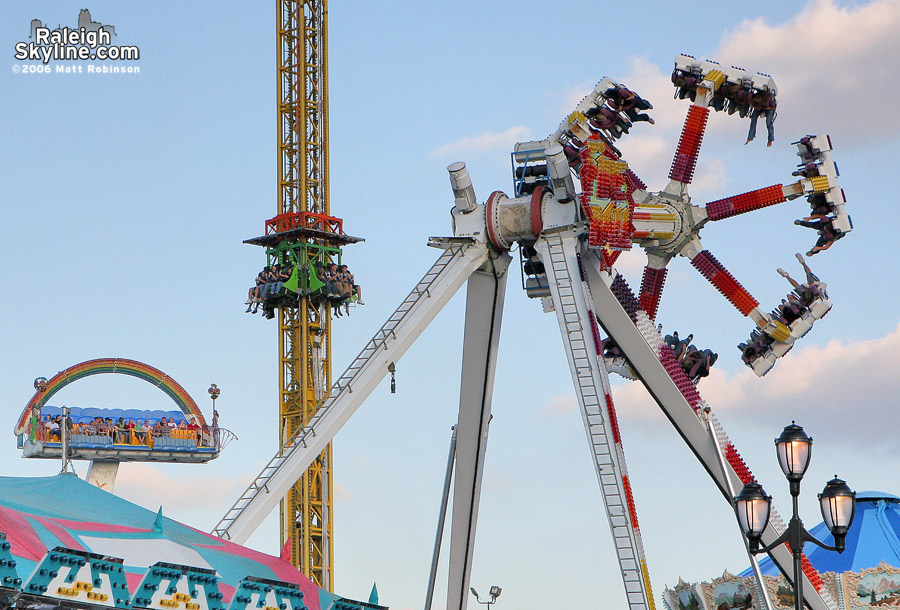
(874, 537)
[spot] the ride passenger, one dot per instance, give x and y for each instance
(253, 296)
(356, 290)
(194, 429)
(53, 430)
(140, 431)
(762, 103)
(322, 276)
(121, 432)
(627, 101)
(328, 276)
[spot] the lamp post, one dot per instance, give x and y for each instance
(494, 594)
(837, 502)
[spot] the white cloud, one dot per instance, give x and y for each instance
(653, 84)
(503, 140)
(573, 96)
(150, 486)
(710, 179)
(342, 493)
(560, 405)
(649, 155)
(836, 67)
(631, 264)
(649, 148)
(854, 382)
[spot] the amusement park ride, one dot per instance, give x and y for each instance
(569, 240)
(106, 449)
(575, 207)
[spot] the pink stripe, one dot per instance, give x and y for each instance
(20, 534)
(282, 569)
(91, 526)
(67, 540)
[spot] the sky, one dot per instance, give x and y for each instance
(125, 200)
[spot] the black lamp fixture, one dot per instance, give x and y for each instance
(494, 593)
(753, 507)
(794, 450)
(837, 502)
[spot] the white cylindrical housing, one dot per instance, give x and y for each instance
(559, 174)
(461, 184)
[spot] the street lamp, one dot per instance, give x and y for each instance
(837, 502)
(753, 507)
(494, 594)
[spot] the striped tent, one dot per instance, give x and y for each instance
(40, 513)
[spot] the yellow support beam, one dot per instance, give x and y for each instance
(305, 332)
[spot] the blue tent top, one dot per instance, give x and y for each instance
(874, 537)
(38, 514)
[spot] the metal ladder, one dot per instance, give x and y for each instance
(458, 260)
(574, 310)
(680, 401)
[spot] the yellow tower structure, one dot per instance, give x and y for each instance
(304, 345)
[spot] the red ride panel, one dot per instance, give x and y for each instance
(629, 498)
(746, 202)
(613, 420)
(811, 573)
(651, 289)
(689, 145)
(719, 277)
(737, 462)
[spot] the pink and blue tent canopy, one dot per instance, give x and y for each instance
(41, 513)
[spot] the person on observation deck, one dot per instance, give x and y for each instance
(141, 430)
(194, 429)
(121, 432)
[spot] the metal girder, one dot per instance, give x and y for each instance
(297, 453)
(485, 295)
(574, 306)
(304, 332)
(644, 359)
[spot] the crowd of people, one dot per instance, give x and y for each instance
(695, 362)
(124, 432)
(732, 97)
(336, 285)
(791, 309)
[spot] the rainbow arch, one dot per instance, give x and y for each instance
(121, 366)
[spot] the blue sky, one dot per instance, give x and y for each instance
(125, 199)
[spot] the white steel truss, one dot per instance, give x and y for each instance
(574, 312)
(458, 261)
(582, 294)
